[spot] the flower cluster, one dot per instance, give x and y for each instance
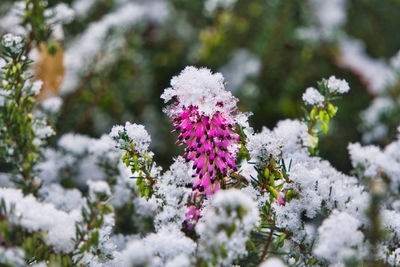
(202, 114)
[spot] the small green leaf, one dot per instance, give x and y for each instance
(324, 127)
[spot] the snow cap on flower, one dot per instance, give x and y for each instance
(201, 88)
(202, 114)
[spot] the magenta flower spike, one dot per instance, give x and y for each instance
(209, 141)
(202, 115)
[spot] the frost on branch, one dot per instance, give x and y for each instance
(339, 238)
(377, 162)
(36, 216)
(225, 227)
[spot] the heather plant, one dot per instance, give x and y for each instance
(234, 196)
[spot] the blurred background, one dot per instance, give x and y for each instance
(110, 60)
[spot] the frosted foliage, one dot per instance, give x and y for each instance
(375, 160)
(243, 120)
(337, 85)
(170, 242)
(137, 253)
(293, 133)
(273, 262)
(145, 208)
(52, 164)
(63, 199)
(256, 195)
(179, 261)
(227, 209)
(75, 143)
(319, 186)
(139, 136)
(98, 187)
(171, 193)
(247, 170)
(13, 42)
(338, 237)
(35, 216)
(82, 154)
(312, 97)
(317, 182)
(52, 104)
(116, 131)
(12, 257)
(394, 258)
(42, 130)
(36, 87)
(264, 144)
(180, 173)
(201, 88)
(105, 247)
(391, 220)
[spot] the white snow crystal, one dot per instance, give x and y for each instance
(36, 87)
(35, 216)
(139, 136)
(13, 42)
(63, 199)
(264, 144)
(12, 256)
(98, 187)
(394, 258)
(273, 262)
(226, 208)
(169, 242)
(338, 237)
(312, 96)
(116, 130)
(201, 88)
(181, 260)
(337, 85)
(75, 143)
(137, 253)
(52, 104)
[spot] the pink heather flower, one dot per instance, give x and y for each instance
(281, 200)
(202, 114)
(208, 141)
